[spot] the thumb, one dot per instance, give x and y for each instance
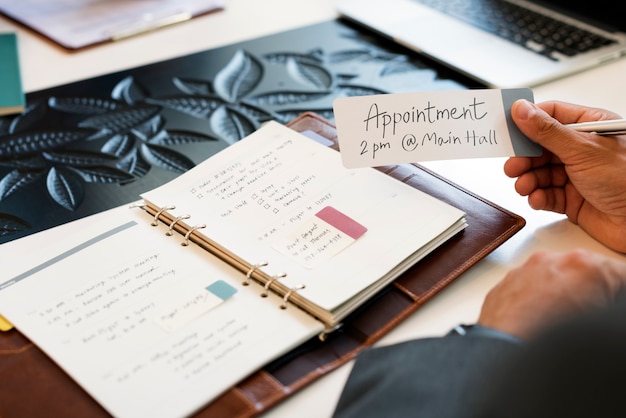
(542, 128)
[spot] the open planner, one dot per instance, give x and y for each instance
(158, 308)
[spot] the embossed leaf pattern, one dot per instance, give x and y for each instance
(166, 158)
(256, 112)
(350, 55)
(102, 174)
(65, 187)
(401, 66)
(134, 163)
(313, 56)
(193, 87)
(311, 74)
(356, 90)
(231, 125)
(197, 106)
(67, 141)
(4, 125)
(179, 138)
(15, 180)
(121, 120)
(77, 158)
(17, 145)
(10, 224)
(83, 105)
(28, 119)
(149, 128)
(35, 162)
(285, 98)
(239, 77)
(118, 145)
(129, 91)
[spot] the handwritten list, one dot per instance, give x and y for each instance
(151, 322)
(120, 308)
(275, 195)
(260, 199)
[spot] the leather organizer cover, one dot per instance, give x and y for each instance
(33, 385)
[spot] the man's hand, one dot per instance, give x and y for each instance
(582, 175)
(549, 287)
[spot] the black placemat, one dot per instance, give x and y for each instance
(91, 145)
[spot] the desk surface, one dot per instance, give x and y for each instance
(46, 65)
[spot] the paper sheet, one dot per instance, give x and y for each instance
(384, 129)
(78, 23)
(139, 320)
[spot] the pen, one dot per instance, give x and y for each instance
(601, 127)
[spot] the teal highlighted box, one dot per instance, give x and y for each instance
(221, 289)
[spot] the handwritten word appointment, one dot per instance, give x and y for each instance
(428, 114)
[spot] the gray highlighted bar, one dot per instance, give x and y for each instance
(68, 253)
(522, 146)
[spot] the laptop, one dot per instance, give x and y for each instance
(500, 43)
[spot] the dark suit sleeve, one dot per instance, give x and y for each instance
(440, 377)
(573, 369)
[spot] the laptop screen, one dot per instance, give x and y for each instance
(606, 14)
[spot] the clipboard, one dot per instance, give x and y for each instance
(76, 24)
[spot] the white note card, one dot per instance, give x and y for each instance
(384, 129)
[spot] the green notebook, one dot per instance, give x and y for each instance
(12, 98)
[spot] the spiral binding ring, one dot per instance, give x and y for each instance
(156, 216)
(193, 228)
(249, 273)
(322, 335)
(269, 282)
(179, 218)
(288, 294)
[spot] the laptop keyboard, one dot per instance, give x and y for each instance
(539, 33)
